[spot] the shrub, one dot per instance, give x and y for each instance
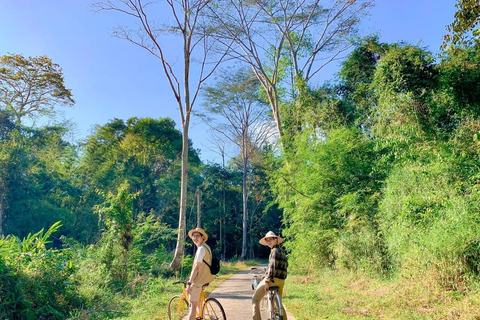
(327, 191)
(427, 219)
(37, 282)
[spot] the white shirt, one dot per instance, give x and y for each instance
(200, 254)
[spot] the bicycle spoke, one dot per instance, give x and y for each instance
(177, 308)
(213, 310)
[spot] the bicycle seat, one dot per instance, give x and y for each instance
(273, 288)
(205, 285)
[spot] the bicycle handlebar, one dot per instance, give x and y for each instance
(184, 282)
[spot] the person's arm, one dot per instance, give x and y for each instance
(197, 266)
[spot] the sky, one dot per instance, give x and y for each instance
(112, 78)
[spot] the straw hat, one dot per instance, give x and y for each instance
(270, 234)
(198, 230)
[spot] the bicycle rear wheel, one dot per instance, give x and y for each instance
(275, 313)
(177, 308)
(213, 310)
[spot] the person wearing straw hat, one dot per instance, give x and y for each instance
(200, 275)
(275, 274)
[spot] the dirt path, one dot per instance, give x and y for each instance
(235, 295)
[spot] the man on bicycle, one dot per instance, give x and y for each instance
(200, 274)
(275, 275)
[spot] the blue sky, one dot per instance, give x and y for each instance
(111, 78)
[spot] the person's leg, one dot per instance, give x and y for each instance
(194, 302)
(257, 299)
(281, 283)
(192, 312)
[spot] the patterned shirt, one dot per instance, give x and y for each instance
(277, 264)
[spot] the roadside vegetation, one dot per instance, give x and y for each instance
(374, 183)
(342, 295)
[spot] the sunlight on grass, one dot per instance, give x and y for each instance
(341, 295)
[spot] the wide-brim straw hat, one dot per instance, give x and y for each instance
(270, 234)
(198, 230)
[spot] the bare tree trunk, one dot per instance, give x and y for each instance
(199, 206)
(245, 208)
(182, 222)
(223, 218)
(186, 15)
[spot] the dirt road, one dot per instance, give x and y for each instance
(235, 295)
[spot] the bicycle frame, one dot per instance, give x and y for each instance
(270, 297)
(203, 298)
(208, 308)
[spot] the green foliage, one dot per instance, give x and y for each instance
(328, 192)
(37, 282)
(403, 82)
(117, 239)
(461, 82)
(36, 180)
(465, 30)
(380, 175)
(425, 214)
(145, 153)
(31, 86)
(356, 78)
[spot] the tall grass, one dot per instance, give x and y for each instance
(341, 295)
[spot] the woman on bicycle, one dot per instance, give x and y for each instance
(200, 274)
(275, 275)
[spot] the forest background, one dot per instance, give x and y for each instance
(373, 175)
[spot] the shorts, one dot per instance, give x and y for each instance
(195, 293)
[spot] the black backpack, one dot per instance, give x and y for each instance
(215, 266)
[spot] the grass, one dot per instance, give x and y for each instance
(337, 295)
(152, 303)
(329, 294)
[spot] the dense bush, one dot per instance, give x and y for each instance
(328, 193)
(428, 221)
(36, 282)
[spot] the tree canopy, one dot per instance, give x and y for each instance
(32, 86)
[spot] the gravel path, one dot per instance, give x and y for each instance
(235, 295)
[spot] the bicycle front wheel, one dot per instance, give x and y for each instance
(275, 313)
(177, 308)
(213, 310)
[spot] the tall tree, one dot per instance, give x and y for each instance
(243, 120)
(279, 37)
(145, 153)
(6, 148)
(186, 16)
(465, 29)
(36, 178)
(32, 86)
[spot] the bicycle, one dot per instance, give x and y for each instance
(209, 309)
(272, 303)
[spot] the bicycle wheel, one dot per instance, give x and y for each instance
(213, 310)
(177, 308)
(275, 313)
